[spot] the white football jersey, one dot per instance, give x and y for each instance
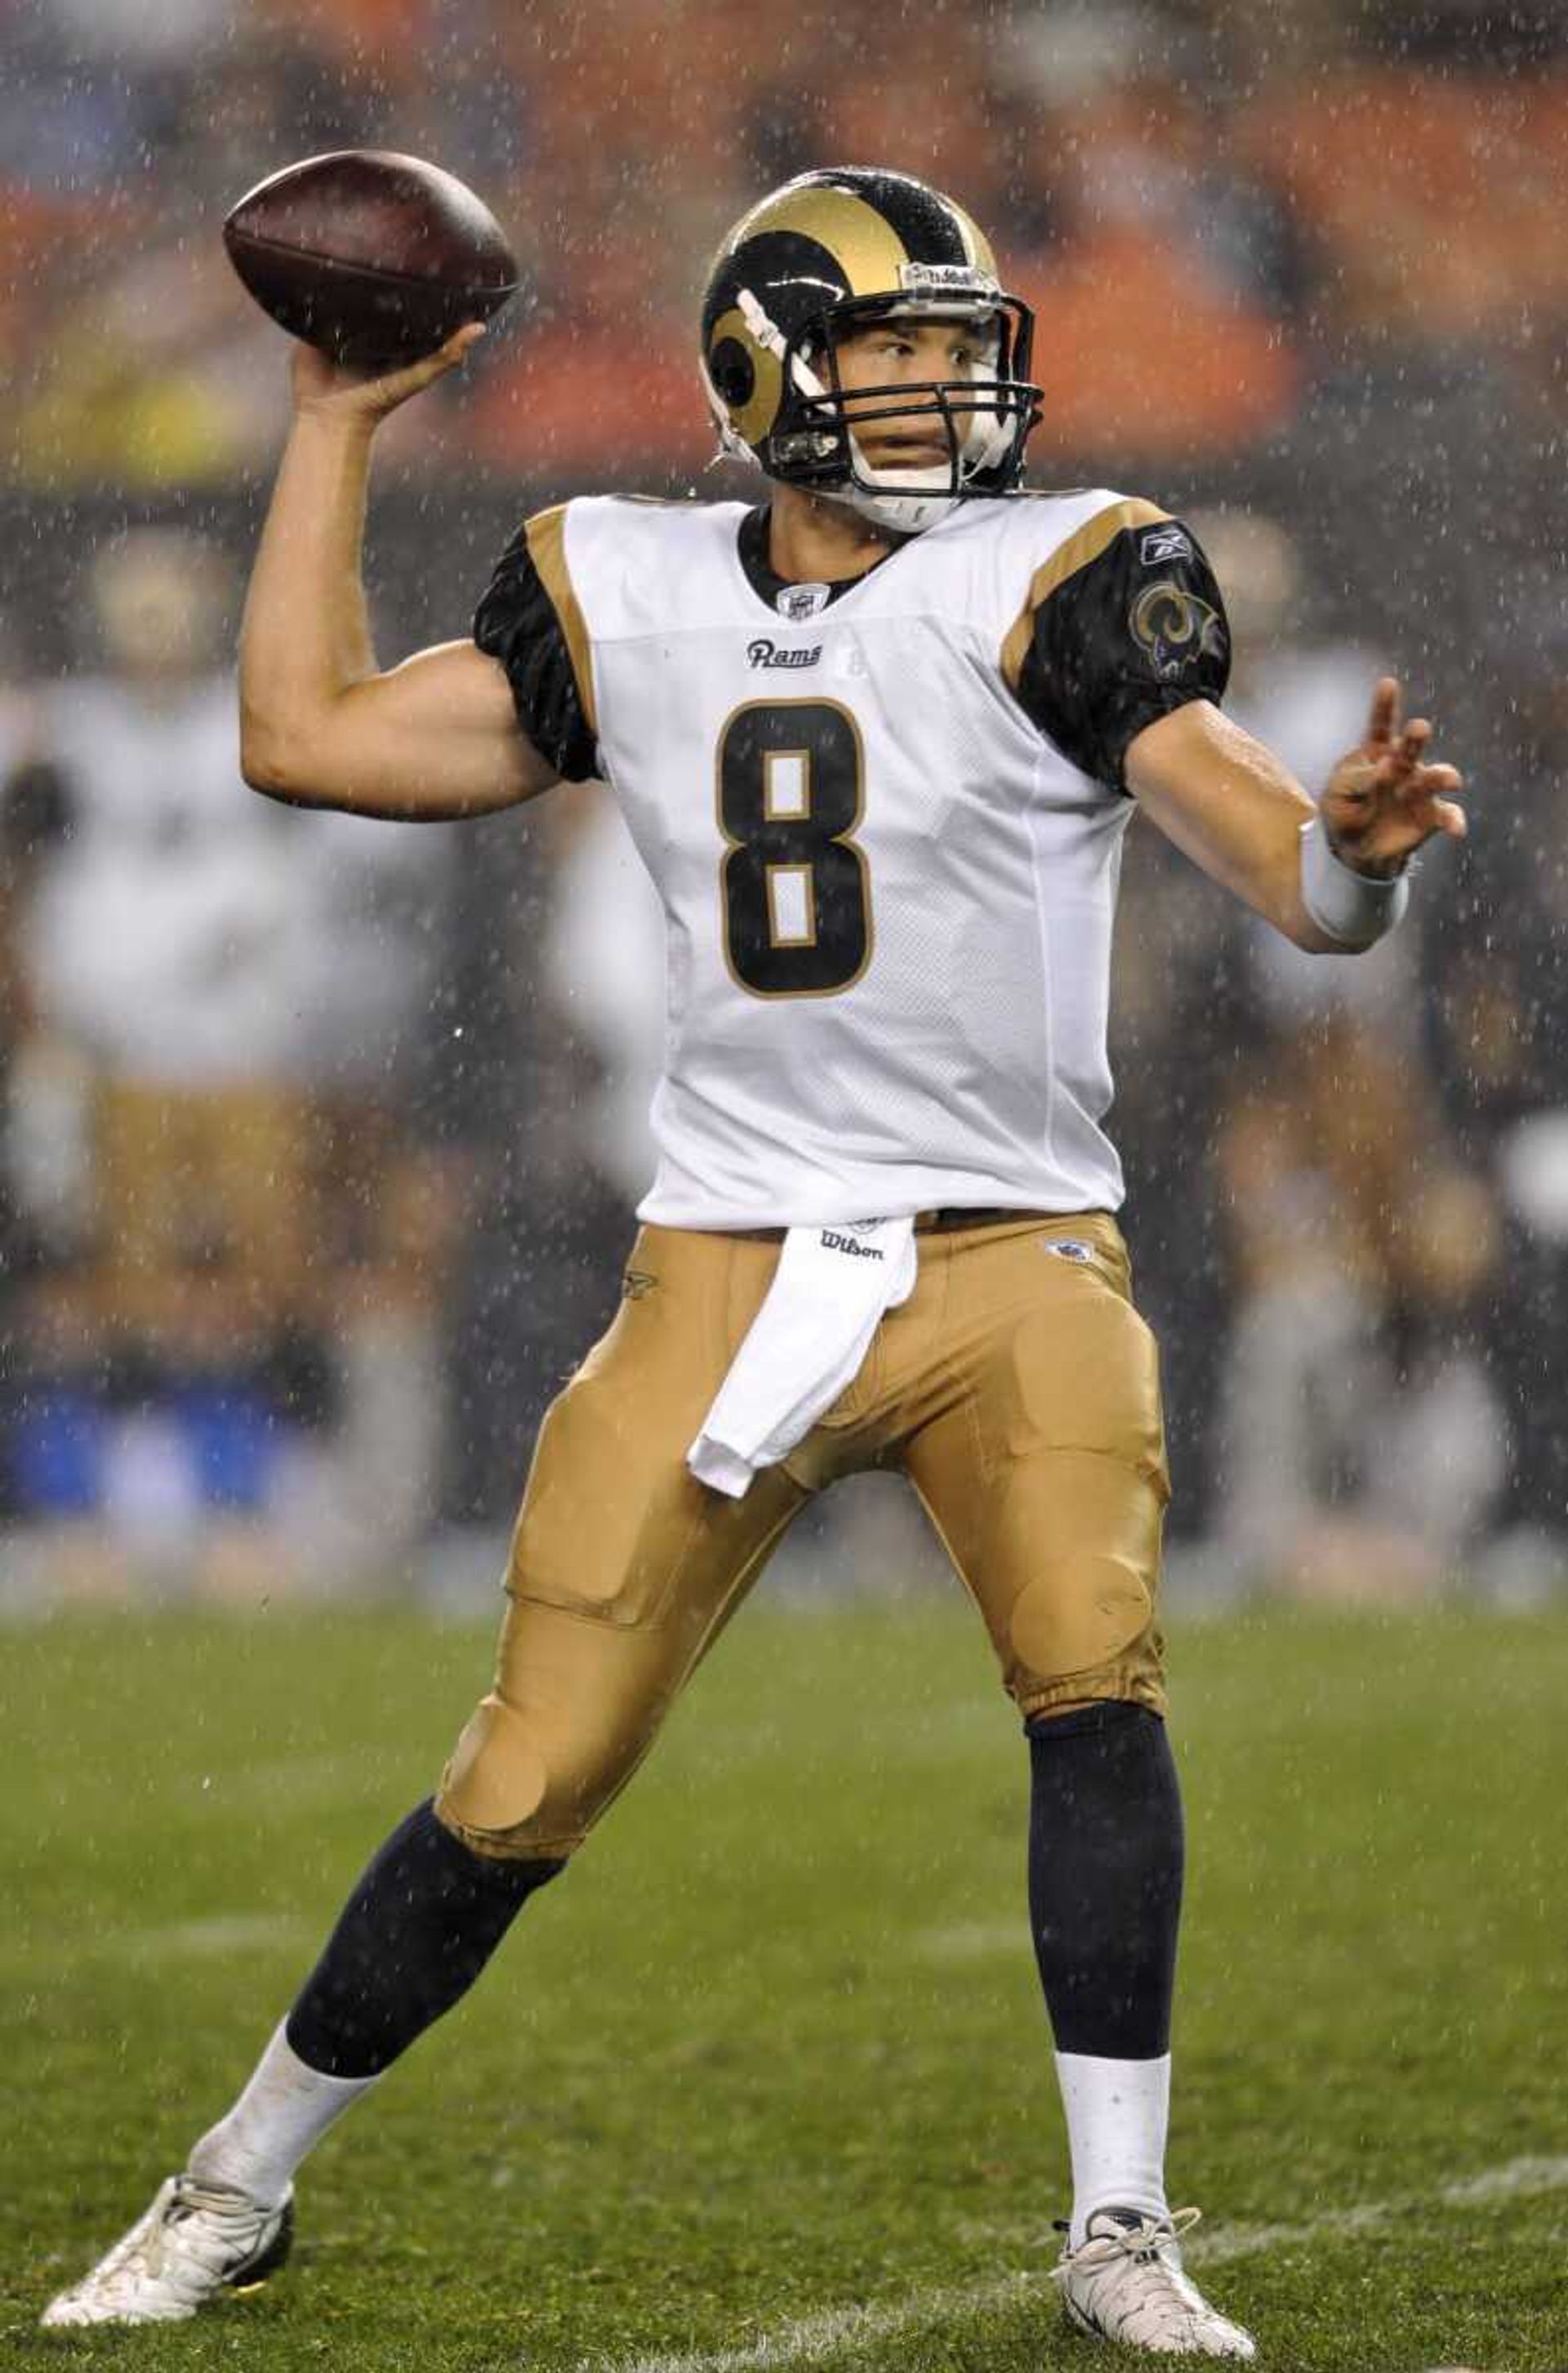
(889, 893)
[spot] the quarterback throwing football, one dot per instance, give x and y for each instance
(878, 741)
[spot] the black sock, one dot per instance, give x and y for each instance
(420, 1925)
(1106, 1854)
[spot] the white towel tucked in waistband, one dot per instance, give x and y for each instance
(804, 1345)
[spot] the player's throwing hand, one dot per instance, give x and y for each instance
(321, 385)
(1382, 799)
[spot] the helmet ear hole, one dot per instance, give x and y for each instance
(732, 371)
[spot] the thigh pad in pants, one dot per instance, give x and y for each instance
(623, 1567)
(1045, 1472)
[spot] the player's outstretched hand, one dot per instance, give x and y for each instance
(321, 385)
(1383, 799)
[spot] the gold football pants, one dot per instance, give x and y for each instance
(1017, 1390)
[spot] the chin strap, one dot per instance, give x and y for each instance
(905, 514)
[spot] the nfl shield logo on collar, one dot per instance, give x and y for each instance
(797, 602)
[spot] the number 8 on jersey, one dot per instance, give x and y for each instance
(795, 889)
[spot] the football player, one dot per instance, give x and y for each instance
(878, 740)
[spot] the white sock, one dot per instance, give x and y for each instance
(1117, 2114)
(282, 2114)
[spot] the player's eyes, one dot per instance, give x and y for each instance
(958, 357)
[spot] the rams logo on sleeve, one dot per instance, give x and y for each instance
(1175, 626)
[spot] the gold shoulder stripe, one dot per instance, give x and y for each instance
(546, 533)
(1077, 552)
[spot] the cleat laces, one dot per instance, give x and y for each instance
(1140, 2242)
(204, 2231)
(1126, 2282)
(194, 2239)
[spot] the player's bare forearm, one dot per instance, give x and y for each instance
(1231, 806)
(320, 726)
(1237, 812)
(305, 636)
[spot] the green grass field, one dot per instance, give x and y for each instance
(772, 2052)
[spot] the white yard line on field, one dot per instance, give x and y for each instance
(224, 1933)
(1512, 2181)
(813, 2337)
(221, 1937)
(975, 1940)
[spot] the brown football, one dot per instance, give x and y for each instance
(373, 257)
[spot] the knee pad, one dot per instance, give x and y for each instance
(495, 1785)
(1083, 1625)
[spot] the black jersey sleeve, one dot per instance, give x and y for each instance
(529, 619)
(1124, 624)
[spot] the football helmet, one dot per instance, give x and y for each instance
(826, 254)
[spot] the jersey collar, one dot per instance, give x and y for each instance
(775, 590)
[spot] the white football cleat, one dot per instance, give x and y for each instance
(196, 2240)
(1125, 2283)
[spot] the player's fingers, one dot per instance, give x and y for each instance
(321, 383)
(1381, 723)
(1415, 793)
(446, 358)
(1400, 756)
(1424, 804)
(1398, 768)
(387, 389)
(459, 342)
(383, 391)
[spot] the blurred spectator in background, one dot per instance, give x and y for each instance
(1172, 262)
(204, 1149)
(605, 957)
(1360, 1436)
(153, 948)
(1495, 1017)
(1362, 1446)
(158, 948)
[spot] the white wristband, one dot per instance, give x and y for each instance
(1355, 908)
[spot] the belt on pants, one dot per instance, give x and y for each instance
(926, 1224)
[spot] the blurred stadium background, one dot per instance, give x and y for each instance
(318, 1139)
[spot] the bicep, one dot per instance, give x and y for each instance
(1228, 804)
(436, 738)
